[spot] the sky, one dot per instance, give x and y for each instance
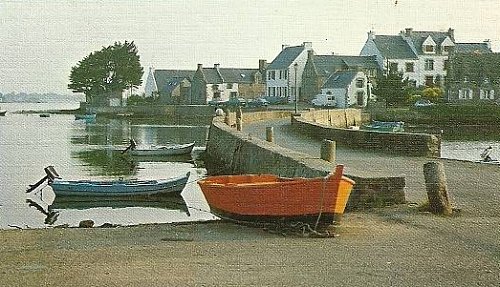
(41, 40)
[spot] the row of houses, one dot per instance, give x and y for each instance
(469, 71)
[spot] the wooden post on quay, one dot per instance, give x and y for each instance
(270, 134)
(328, 148)
(437, 191)
(239, 119)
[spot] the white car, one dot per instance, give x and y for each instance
(324, 100)
(423, 103)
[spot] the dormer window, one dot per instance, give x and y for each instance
(446, 49)
(429, 49)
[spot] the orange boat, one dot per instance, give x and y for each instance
(268, 198)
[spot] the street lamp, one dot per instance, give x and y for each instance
(295, 67)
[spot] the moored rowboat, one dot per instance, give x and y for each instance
(173, 149)
(268, 198)
(118, 187)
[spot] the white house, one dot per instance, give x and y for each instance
(350, 88)
(421, 56)
(284, 74)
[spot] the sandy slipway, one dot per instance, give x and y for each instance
(397, 246)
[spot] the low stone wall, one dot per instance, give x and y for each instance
(200, 113)
(336, 118)
(231, 152)
(414, 144)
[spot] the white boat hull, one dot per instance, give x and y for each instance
(164, 150)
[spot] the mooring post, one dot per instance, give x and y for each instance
(328, 150)
(226, 117)
(437, 191)
(270, 134)
(239, 119)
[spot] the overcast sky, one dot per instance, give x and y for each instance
(41, 40)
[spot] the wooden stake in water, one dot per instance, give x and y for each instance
(270, 134)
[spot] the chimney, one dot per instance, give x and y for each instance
(371, 35)
(284, 46)
(216, 66)
(262, 65)
(408, 32)
(451, 34)
(200, 66)
(307, 45)
(310, 55)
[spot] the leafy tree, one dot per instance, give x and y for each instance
(109, 70)
(393, 89)
(433, 94)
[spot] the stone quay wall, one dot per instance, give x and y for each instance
(232, 152)
(330, 124)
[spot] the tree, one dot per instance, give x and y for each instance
(109, 70)
(392, 88)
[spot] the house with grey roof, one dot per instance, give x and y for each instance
(421, 56)
(284, 73)
(221, 84)
(169, 86)
(319, 68)
(474, 77)
(348, 87)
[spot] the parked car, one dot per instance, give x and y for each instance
(423, 103)
(236, 102)
(276, 100)
(324, 100)
(216, 102)
(259, 102)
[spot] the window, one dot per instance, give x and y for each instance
(233, 94)
(285, 74)
(410, 67)
(429, 49)
(445, 64)
(271, 75)
(393, 67)
(487, 94)
(447, 49)
(464, 94)
(429, 65)
(360, 83)
(429, 81)
(360, 98)
(229, 86)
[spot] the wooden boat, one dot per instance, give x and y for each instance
(384, 126)
(44, 115)
(85, 116)
(267, 198)
(3, 112)
(118, 187)
(173, 149)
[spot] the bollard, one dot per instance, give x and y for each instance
(270, 134)
(328, 150)
(226, 117)
(239, 119)
(437, 191)
(238, 124)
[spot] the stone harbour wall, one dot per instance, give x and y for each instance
(323, 125)
(232, 152)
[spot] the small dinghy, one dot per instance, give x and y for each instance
(110, 188)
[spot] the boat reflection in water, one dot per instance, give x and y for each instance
(174, 204)
(171, 202)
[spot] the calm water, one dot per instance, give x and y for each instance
(88, 150)
(91, 150)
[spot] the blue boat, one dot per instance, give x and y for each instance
(85, 117)
(384, 126)
(118, 187)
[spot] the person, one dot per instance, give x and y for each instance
(486, 154)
